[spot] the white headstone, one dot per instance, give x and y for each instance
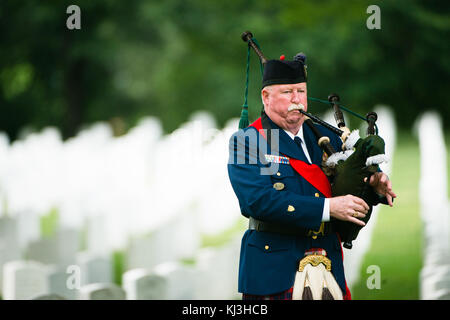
(24, 280)
(186, 236)
(435, 208)
(141, 284)
(94, 268)
(181, 280)
(43, 250)
(435, 282)
(59, 249)
(28, 228)
(174, 240)
(219, 268)
(101, 291)
(9, 244)
(69, 244)
(60, 284)
(96, 240)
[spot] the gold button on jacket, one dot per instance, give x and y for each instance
(278, 186)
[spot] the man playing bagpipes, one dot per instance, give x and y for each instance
(290, 250)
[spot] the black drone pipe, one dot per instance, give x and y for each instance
(339, 132)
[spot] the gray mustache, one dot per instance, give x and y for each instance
(296, 107)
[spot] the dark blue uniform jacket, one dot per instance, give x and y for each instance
(268, 261)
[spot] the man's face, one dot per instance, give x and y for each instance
(278, 98)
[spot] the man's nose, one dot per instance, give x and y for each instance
(295, 98)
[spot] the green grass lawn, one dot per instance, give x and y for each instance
(397, 238)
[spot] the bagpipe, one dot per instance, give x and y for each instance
(349, 170)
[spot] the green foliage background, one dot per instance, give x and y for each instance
(170, 58)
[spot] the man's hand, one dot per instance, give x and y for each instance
(349, 208)
(382, 185)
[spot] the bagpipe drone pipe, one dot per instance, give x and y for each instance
(349, 170)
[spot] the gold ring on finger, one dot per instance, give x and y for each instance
(355, 214)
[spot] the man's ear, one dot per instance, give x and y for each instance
(265, 96)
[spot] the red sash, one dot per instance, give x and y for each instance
(310, 172)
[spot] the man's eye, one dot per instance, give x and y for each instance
(287, 91)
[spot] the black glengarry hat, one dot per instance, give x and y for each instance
(285, 72)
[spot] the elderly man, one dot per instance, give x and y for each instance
(289, 214)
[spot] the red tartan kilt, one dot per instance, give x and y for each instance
(285, 295)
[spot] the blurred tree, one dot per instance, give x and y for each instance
(50, 75)
(170, 58)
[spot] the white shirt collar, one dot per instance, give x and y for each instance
(299, 134)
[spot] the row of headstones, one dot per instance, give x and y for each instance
(140, 165)
(22, 234)
(176, 240)
(24, 279)
(435, 209)
(212, 276)
(19, 238)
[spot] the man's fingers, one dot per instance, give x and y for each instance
(389, 196)
(389, 185)
(384, 179)
(356, 213)
(390, 192)
(356, 221)
(389, 200)
(362, 203)
(360, 208)
(374, 179)
(359, 214)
